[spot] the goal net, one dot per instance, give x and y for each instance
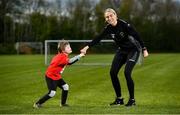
(100, 54)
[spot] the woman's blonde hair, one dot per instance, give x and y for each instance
(110, 10)
(62, 45)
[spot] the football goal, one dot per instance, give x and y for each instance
(97, 55)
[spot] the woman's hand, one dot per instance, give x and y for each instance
(145, 53)
(84, 50)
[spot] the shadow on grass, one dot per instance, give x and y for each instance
(90, 109)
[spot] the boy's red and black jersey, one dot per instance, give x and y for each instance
(57, 66)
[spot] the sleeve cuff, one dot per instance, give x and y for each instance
(144, 48)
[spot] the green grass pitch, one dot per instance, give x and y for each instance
(157, 86)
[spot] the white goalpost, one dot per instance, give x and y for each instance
(48, 42)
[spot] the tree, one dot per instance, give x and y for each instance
(8, 9)
(79, 12)
(126, 9)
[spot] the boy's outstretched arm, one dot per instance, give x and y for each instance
(75, 58)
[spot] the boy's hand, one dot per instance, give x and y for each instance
(82, 54)
(145, 53)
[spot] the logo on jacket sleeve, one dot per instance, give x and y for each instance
(113, 36)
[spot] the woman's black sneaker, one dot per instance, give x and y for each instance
(130, 103)
(64, 105)
(117, 102)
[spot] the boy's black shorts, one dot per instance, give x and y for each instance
(53, 84)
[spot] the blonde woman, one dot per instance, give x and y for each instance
(129, 48)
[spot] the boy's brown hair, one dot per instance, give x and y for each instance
(62, 45)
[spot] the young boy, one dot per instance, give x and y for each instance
(54, 71)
